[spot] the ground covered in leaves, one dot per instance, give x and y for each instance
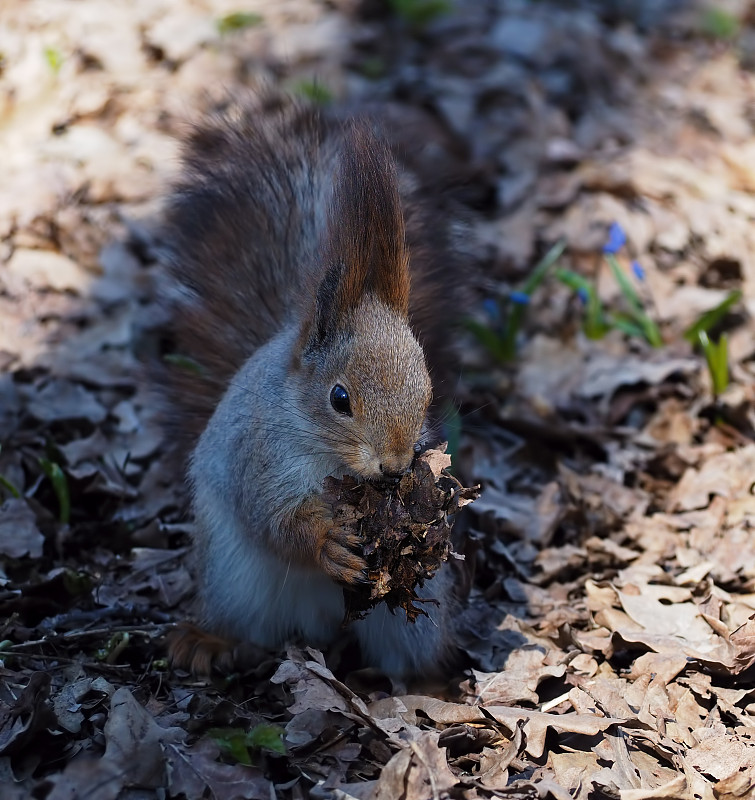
(608, 637)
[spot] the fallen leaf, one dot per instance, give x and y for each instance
(19, 534)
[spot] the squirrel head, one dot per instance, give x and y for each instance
(364, 371)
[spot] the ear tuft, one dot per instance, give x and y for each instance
(364, 251)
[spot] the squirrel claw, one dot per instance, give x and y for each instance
(363, 578)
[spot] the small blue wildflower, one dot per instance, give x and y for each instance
(639, 272)
(583, 295)
(491, 308)
(616, 239)
(519, 298)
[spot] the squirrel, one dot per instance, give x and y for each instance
(313, 297)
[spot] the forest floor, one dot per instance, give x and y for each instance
(609, 637)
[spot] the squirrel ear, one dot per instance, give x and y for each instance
(364, 248)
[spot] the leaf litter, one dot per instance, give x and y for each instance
(607, 641)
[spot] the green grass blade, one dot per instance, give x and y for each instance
(514, 320)
(625, 284)
(185, 363)
(595, 325)
(648, 326)
(420, 12)
(493, 342)
(720, 24)
(542, 267)
(712, 317)
(54, 59)
(573, 280)
(314, 91)
(717, 359)
(237, 21)
(627, 326)
(9, 487)
(60, 486)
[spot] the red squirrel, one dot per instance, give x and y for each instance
(311, 297)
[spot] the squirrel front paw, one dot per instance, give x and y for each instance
(341, 556)
(336, 548)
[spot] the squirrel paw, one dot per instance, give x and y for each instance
(341, 557)
(195, 650)
(337, 549)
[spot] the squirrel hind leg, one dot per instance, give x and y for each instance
(199, 652)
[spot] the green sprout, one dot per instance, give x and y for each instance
(243, 745)
(501, 341)
(716, 353)
(314, 91)
(54, 59)
(9, 487)
(237, 21)
(114, 648)
(720, 24)
(184, 363)
(372, 68)
(419, 13)
(717, 358)
(636, 321)
(594, 325)
(712, 317)
(60, 485)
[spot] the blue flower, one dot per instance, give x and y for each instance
(583, 295)
(616, 239)
(639, 272)
(519, 298)
(491, 308)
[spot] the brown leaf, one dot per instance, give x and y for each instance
(418, 772)
(518, 681)
(133, 754)
(62, 400)
(22, 722)
(19, 535)
(728, 475)
(195, 770)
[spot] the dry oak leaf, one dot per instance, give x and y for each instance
(192, 771)
(535, 723)
(417, 772)
(133, 755)
(19, 535)
(44, 269)
(517, 682)
(728, 475)
(721, 754)
(314, 686)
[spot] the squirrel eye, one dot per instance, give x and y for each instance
(339, 399)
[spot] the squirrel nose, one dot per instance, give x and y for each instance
(393, 477)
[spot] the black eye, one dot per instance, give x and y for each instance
(339, 399)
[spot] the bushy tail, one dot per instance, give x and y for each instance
(246, 217)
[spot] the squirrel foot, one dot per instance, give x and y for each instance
(199, 652)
